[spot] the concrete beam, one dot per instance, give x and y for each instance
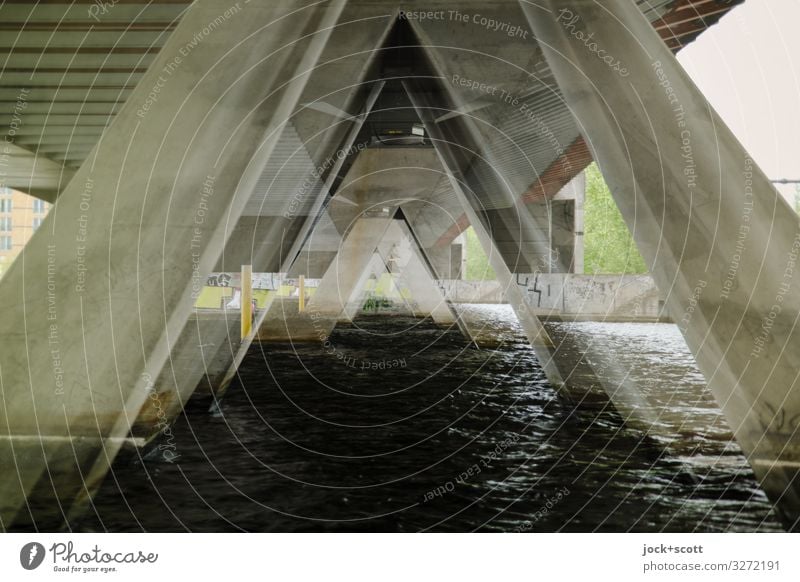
(34, 174)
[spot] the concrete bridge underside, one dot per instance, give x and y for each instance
(326, 140)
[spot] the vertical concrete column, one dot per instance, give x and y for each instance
(721, 243)
(580, 201)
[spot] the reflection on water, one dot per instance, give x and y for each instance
(653, 381)
(401, 426)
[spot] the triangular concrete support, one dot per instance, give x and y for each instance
(364, 252)
(339, 288)
(401, 252)
(95, 305)
(376, 268)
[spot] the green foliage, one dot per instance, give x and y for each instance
(375, 304)
(608, 244)
(478, 268)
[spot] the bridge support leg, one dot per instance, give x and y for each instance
(91, 321)
(407, 261)
(339, 288)
(722, 244)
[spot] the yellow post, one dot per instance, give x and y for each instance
(301, 290)
(247, 299)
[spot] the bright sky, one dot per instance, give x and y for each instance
(748, 66)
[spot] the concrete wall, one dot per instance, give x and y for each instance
(560, 296)
(607, 297)
(459, 291)
(556, 295)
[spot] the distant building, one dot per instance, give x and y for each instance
(20, 216)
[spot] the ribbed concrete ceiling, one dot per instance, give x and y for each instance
(72, 64)
(68, 66)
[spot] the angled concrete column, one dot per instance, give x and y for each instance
(446, 260)
(534, 330)
(105, 286)
(339, 288)
(376, 268)
(722, 244)
(431, 267)
(427, 298)
(444, 145)
(347, 270)
(300, 254)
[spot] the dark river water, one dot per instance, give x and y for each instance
(403, 427)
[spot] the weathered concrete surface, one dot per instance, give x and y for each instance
(198, 363)
(281, 206)
(572, 297)
(721, 242)
(453, 170)
(401, 253)
(284, 322)
(96, 303)
(567, 297)
(339, 290)
(460, 291)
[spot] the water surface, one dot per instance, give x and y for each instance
(402, 426)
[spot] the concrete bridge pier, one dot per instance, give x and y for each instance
(272, 235)
(84, 348)
(721, 243)
(340, 288)
(376, 270)
(426, 299)
(453, 173)
(373, 246)
(402, 254)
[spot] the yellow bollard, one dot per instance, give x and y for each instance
(247, 300)
(301, 290)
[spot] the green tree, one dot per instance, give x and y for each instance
(478, 268)
(608, 244)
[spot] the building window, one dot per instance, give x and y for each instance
(6, 205)
(39, 206)
(5, 243)
(37, 222)
(5, 223)
(5, 190)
